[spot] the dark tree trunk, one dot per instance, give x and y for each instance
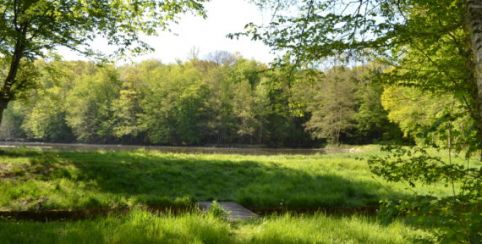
(7, 91)
(3, 106)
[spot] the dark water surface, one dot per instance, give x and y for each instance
(173, 149)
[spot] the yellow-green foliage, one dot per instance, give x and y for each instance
(426, 116)
(411, 108)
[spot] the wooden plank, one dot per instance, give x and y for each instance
(235, 211)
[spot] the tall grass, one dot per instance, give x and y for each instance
(144, 227)
(75, 180)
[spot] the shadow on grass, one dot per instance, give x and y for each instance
(20, 152)
(254, 184)
(178, 180)
(173, 180)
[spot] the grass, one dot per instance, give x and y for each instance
(144, 227)
(34, 180)
(65, 180)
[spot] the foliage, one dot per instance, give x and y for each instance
(173, 106)
(89, 105)
(333, 108)
(217, 211)
(30, 29)
(45, 119)
(429, 125)
(126, 109)
(431, 47)
(372, 118)
(459, 214)
(41, 25)
(191, 103)
(10, 129)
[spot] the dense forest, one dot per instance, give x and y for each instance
(222, 100)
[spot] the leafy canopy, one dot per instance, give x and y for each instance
(38, 26)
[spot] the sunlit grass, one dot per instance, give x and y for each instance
(73, 180)
(143, 227)
(35, 180)
(319, 228)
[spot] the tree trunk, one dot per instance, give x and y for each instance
(3, 106)
(6, 92)
(474, 25)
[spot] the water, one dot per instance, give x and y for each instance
(173, 149)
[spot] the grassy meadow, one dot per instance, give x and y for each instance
(33, 180)
(145, 227)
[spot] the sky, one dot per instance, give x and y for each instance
(205, 35)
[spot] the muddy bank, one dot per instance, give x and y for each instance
(80, 214)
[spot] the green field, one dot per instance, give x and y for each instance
(74, 180)
(144, 227)
(61, 180)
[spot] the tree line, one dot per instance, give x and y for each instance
(223, 100)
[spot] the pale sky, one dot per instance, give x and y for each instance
(206, 35)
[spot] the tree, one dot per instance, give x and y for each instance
(473, 22)
(388, 30)
(89, 104)
(221, 124)
(434, 46)
(245, 110)
(10, 129)
(247, 104)
(222, 57)
(372, 121)
(45, 119)
(126, 111)
(175, 105)
(127, 107)
(333, 107)
(31, 28)
(428, 125)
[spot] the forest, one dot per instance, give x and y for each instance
(393, 86)
(224, 99)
